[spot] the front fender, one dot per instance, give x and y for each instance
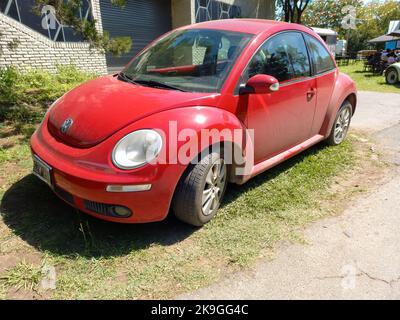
(181, 128)
(189, 131)
(345, 88)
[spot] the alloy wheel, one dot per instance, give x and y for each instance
(342, 125)
(214, 187)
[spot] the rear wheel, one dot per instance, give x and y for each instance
(341, 125)
(392, 76)
(200, 190)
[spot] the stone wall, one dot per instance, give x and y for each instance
(25, 48)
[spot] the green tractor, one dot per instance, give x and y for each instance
(392, 73)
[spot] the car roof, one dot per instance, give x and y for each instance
(253, 26)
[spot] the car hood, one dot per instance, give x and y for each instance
(94, 111)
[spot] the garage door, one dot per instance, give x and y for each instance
(142, 20)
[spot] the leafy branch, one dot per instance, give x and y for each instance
(66, 13)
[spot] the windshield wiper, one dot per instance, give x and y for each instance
(124, 77)
(156, 84)
(149, 83)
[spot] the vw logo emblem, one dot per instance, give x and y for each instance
(66, 125)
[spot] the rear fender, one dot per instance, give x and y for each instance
(345, 89)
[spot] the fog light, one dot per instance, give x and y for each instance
(122, 212)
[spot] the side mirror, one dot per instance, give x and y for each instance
(260, 83)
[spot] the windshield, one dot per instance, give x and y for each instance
(195, 60)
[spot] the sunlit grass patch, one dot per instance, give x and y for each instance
(23, 276)
(366, 80)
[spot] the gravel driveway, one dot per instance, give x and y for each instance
(353, 256)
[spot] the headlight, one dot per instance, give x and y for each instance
(136, 149)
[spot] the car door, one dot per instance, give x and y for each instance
(281, 119)
(325, 76)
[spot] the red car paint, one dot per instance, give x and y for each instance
(104, 110)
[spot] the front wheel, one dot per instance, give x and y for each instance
(341, 125)
(199, 192)
(392, 76)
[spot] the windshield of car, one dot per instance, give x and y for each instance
(195, 60)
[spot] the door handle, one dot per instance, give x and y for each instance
(311, 93)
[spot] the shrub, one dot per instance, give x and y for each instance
(25, 96)
(8, 80)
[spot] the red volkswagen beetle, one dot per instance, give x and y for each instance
(204, 105)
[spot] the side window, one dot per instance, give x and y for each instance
(321, 57)
(284, 57)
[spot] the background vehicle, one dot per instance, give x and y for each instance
(329, 36)
(341, 48)
(392, 73)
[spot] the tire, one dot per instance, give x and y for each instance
(392, 76)
(341, 125)
(204, 180)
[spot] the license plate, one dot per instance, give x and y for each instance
(42, 170)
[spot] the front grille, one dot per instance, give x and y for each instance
(101, 208)
(65, 195)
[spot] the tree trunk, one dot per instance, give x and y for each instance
(285, 8)
(293, 9)
(301, 8)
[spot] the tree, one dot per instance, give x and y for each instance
(371, 19)
(328, 14)
(293, 9)
(66, 12)
(374, 22)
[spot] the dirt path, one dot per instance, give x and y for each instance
(353, 256)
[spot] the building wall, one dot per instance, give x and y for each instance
(97, 15)
(183, 11)
(259, 9)
(141, 20)
(31, 49)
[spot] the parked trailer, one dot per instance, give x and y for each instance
(329, 36)
(341, 48)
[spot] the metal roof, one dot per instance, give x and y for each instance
(395, 33)
(384, 38)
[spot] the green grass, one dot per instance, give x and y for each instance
(367, 81)
(22, 276)
(14, 153)
(96, 259)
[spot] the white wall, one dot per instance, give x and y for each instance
(33, 50)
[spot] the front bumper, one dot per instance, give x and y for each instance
(91, 198)
(83, 185)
